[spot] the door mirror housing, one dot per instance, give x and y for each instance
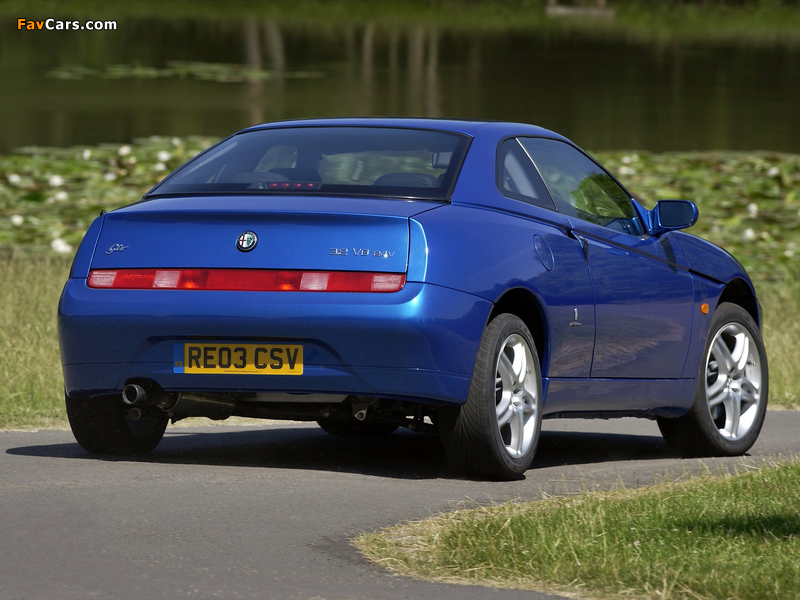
(669, 215)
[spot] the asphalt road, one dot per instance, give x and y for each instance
(267, 512)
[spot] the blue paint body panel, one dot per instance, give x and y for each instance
(621, 326)
(110, 336)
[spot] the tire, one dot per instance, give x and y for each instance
(507, 380)
(101, 426)
(732, 389)
(356, 428)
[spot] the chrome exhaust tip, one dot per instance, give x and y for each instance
(133, 394)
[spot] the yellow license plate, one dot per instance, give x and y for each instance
(255, 359)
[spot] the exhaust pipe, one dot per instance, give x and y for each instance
(193, 405)
(147, 393)
(134, 394)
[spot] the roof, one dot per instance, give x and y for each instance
(471, 128)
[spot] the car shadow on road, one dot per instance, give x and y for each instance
(402, 455)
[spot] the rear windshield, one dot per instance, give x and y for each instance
(361, 161)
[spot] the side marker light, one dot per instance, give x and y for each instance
(704, 308)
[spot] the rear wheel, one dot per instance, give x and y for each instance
(731, 399)
(495, 433)
(104, 425)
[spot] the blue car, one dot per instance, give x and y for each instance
(469, 278)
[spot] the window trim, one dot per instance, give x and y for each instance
(636, 216)
(521, 197)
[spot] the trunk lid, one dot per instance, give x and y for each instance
(294, 232)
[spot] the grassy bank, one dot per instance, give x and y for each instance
(749, 203)
(31, 386)
(730, 537)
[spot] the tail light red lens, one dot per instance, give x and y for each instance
(246, 280)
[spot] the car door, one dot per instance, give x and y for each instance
(643, 298)
(564, 284)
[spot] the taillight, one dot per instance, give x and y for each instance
(246, 280)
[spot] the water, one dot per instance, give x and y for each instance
(603, 91)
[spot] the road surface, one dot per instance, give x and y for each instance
(268, 511)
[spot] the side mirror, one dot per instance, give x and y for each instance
(669, 215)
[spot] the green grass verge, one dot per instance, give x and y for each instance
(724, 537)
(749, 204)
(31, 385)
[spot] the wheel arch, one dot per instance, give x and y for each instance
(525, 305)
(738, 291)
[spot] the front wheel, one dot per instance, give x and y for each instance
(731, 398)
(104, 425)
(495, 433)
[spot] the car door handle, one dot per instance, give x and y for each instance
(584, 244)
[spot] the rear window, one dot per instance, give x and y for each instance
(360, 161)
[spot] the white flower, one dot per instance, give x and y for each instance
(788, 253)
(752, 210)
(629, 158)
(62, 195)
(627, 171)
(124, 150)
(14, 179)
(164, 156)
(87, 154)
(132, 160)
(56, 180)
(60, 246)
(109, 176)
(773, 171)
(160, 166)
(176, 141)
(749, 235)
(17, 220)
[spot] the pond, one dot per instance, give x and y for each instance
(211, 76)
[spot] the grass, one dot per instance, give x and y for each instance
(31, 386)
(749, 203)
(781, 331)
(711, 537)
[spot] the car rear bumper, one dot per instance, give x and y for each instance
(419, 343)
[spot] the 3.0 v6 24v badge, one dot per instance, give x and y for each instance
(361, 252)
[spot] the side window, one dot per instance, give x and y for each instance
(580, 187)
(517, 177)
